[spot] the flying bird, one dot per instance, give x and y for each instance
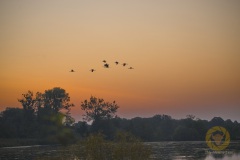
(104, 61)
(106, 65)
(116, 62)
(72, 70)
(92, 70)
(130, 68)
(124, 64)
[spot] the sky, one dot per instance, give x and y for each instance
(185, 54)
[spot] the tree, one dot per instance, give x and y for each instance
(57, 99)
(53, 115)
(46, 114)
(217, 121)
(28, 101)
(13, 123)
(97, 109)
(52, 101)
(31, 105)
(81, 128)
(190, 116)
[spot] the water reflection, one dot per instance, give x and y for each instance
(192, 150)
(232, 153)
(161, 150)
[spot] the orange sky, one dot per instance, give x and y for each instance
(186, 54)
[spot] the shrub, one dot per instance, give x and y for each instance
(129, 147)
(124, 147)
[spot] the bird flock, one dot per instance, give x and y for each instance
(107, 65)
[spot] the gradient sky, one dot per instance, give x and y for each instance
(186, 54)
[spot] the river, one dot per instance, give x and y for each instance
(160, 151)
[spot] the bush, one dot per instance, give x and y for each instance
(129, 147)
(124, 147)
(96, 148)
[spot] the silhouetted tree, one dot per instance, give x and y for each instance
(217, 121)
(44, 115)
(82, 128)
(100, 112)
(57, 99)
(54, 100)
(97, 109)
(13, 123)
(28, 101)
(192, 117)
(47, 115)
(30, 106)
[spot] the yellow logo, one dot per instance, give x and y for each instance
(217, 138)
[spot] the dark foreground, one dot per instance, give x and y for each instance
(160, 150)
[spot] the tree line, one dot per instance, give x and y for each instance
(46, 116)
(164, 128)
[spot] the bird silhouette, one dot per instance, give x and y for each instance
(92, 70)
(124, 64)
(116, 62)
(104, 61)
(106, 65)
(130, 68)
(72, 70)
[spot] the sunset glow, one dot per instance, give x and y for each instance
(185, 54)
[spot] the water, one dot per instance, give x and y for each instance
(193, 150)
(160, 150)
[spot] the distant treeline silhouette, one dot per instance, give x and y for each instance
(46, 117)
